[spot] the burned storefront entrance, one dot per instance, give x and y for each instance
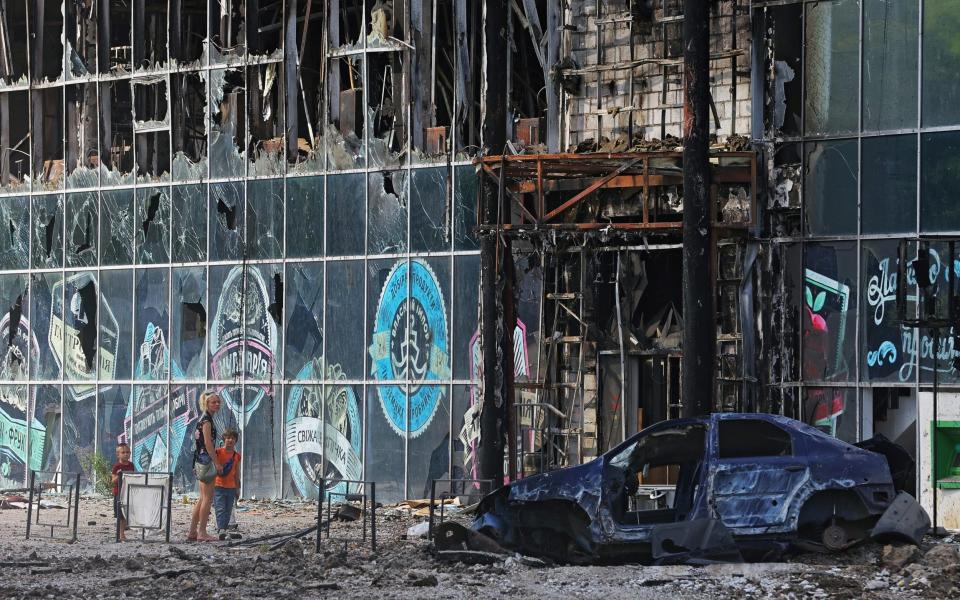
(590, 258)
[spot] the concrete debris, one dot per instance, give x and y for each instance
(897, 557)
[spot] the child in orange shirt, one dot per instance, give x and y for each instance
(226, 485)
(123, 464)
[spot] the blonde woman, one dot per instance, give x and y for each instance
(205, 466)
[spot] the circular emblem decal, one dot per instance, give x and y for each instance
(322, 432)
(417, 354)
(243, 339)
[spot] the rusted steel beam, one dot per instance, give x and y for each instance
(589, 190)
(510, 193)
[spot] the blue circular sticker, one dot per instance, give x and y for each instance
(410, 344)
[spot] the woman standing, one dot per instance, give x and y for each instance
(205, 466)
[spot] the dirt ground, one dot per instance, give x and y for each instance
(97, 567)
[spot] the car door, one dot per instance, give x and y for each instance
(754, 473)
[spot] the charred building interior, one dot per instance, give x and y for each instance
(416, 239)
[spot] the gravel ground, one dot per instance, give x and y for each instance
(97, 567)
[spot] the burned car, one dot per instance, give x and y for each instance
(740, 485)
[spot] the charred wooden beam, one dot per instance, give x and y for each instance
(699, 331)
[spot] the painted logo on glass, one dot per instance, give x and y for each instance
(73, 340)
(419, 355)
(13, 440)
(322, 431)
(146, 418)
(243, 339)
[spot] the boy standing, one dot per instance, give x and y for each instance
(123, 464)
(226, 486)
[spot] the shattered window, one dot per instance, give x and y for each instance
(265, 218)
(465, 208)
(304, 320)
(429, 210)
(941, 62)
(151, 335)
(116, 297)
(48, 231)
(828, 315)
(14, 232)
(939, 181)
(82, 224)
(830, 187)
(890, 64)
(17, 344)
(188, 323)
(388, 213)
(45, 290)
(304, 217)
(226, 221)
(152, 225)
(831, 66)
(189, 223)
(748, 438)
(116, 227)
(889, 192)
(786, 22)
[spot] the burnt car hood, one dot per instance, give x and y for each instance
(580, 484)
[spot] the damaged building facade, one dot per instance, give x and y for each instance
(288, 202)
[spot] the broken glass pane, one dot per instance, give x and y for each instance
(889, 64)
(304, 319)
(116, 227)
(15, 232)
(263, 312)
(831, 187)
(465, 207)
(43, 286)
(151, 326)
(785, 24)
(152, 225)
(226, 221)
(116, 295)
(388, 212)
(346, 214)
(939, 181)
(429, 210)
(227, 122)
(18, 343)
(82, 223)
(188, 323)
(264, 218)
(889, 191)
(304, 217)
(829, 319)
(48, 231)
(189, 223)
(832, 63)
(941, 62)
